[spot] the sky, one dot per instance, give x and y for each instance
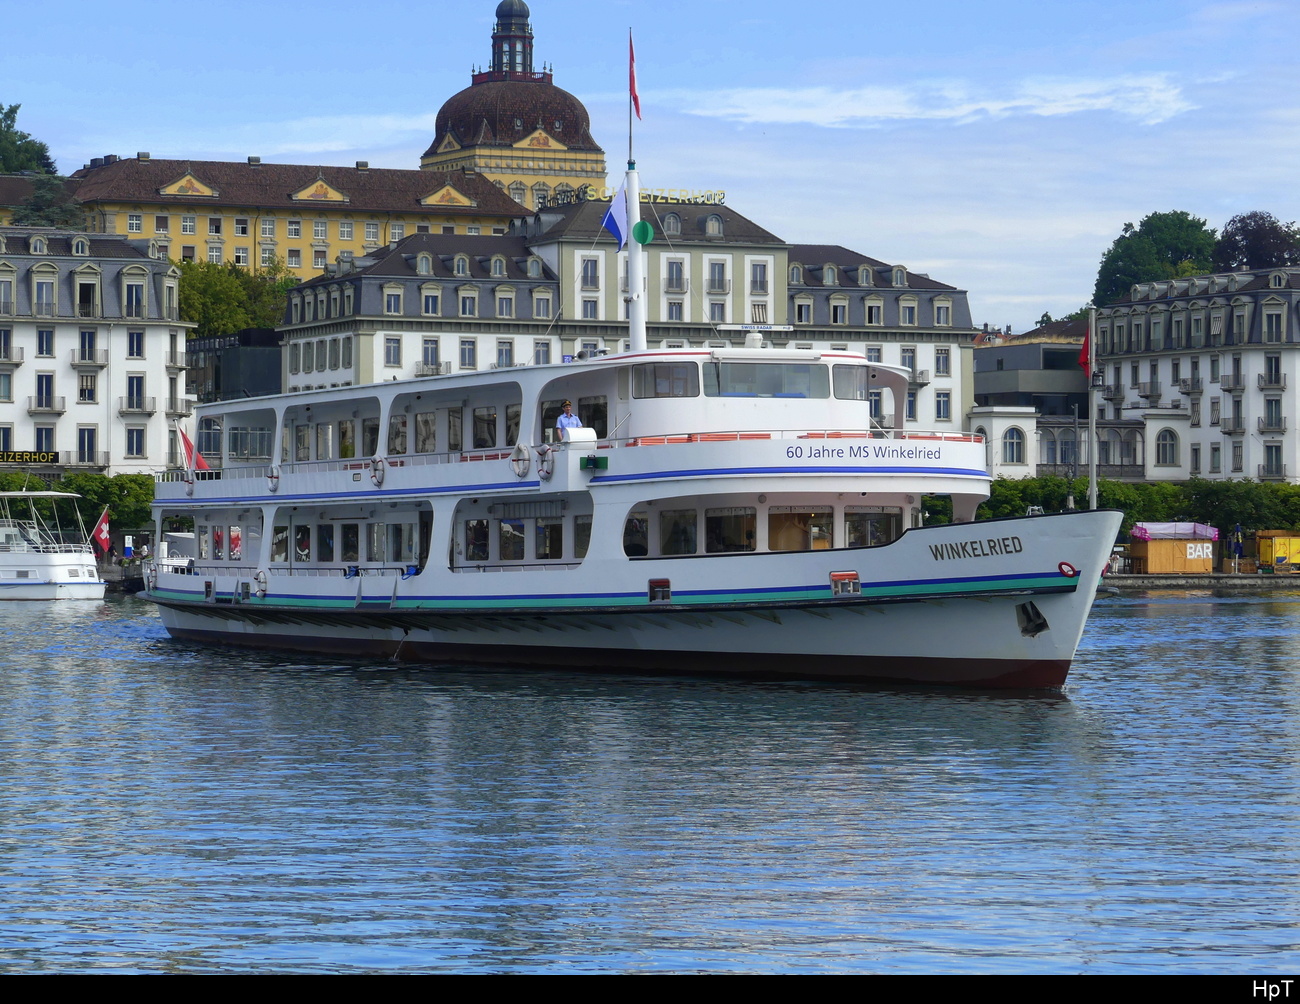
(998, 146)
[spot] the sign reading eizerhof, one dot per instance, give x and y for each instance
(28, 457)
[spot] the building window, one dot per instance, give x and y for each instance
(86, 388)
(839, 313)
(431, 304)
(189, 224)
(268, 228)
(942, 362)
(161, 224)
(1013, 446)
(295, 258)
(717, 312)
(1167, 448)
(241, 256)
(268, 256)
(758, 278)
(590, 273)
(505, 306)
(241, 226)
(1216, 458)
(758, 313)
(214, 254)
(542, 307)
(672, 224)
(44, 342)
(803, 312)
(318, 259)
(318, 230)
(293, 228)
(873, 354)
(135, 442)
(875, 313)
(942, 315)
(542, 353)
(943, 406)
(910, 408)
(134, 223)
(505, 354)
(468, 354)
(1272, 327)
(345, 230)
(135, 344)
(907, 312)
(468, 305)
(674, 310)
(796, 275)
(44, 439)
(713, 225)
(589, 310)
(461, 267)
(393, 303)
(498, 267)
(392, 350)
(214, 226)
(372, 231)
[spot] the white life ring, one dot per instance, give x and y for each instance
(377, 470)
(520, 461)
(545, 462)
(273, 477)
(260, 579)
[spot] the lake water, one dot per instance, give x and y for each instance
(170, 808)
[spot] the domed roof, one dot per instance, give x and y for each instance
(511, 9)
(503, 112)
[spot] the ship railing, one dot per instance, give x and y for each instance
(749, 434)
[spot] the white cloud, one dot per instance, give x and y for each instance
(1148, 98)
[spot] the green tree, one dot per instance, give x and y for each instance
(1162, 246)
(265, 291)
(223, 299)
(18, 150)
(1257, 240)
(49, 205)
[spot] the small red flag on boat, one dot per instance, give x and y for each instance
(100, 534)
(193, 458)
(631, 74)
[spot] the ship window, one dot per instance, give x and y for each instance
(204, 540)
(476, 540)
(369, 440)
(636, 534)
(766, 380)
(666, 380)
(677, 531)
(302, 542)
(869, 526)
(485, 427)
(302, 442)
(455, 429)
(729, 529)
(397, 434)
(594, 412)
(799, 529)
(375, 542)
(280, 543)
(549, 540)
(426, 432)
(325, 542)
(351, 549)
(581, 535)
(347, 439)
(850, 382)
(513, 412)
(510, 539)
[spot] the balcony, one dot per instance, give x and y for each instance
(175, 360)
(6, 307)
(919, 378)
(1113, 392)
(84, 458)
(136, 406)
(45, 309)
(1232, 382)
(89, 357)
(87, 310)
(719, 285)
(12, 354)
(1274, 425)
(1272, 472)
(679, 285)
(1233, 426)
(135, 310)
(758, 288)
(180, 406)
(46, 404)
(432, 369)
(1190, 385)
(1150, 389)
(1272, 381)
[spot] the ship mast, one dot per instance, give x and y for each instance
(636, 301)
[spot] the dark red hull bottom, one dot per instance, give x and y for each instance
(1002, 674)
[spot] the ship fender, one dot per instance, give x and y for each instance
(520, 461)
(545, 462)
(259, 579)
(189, 482)
(273, 478)
(377, 470)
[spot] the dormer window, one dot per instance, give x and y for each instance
(1277, 280)
(534, 268)
(796, 275)
(900, 276)
(462, 265)
(424, 265)
(672, 224)
(81, 246)
(864, 276)
(713, 225)
(830, 275)
(38, 245)
(498, 267)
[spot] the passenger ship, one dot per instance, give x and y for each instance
(729, 510)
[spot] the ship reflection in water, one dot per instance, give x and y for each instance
(169, 807)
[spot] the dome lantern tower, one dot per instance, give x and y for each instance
(512, 44)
